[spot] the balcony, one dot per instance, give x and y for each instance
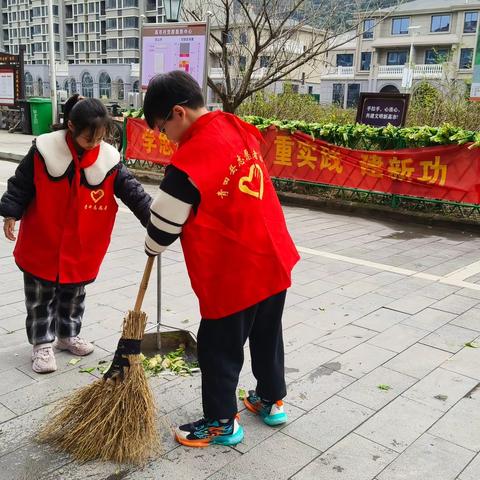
(216, 73)
(340, 72)
(419, 71)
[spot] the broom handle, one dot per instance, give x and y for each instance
(144, 284)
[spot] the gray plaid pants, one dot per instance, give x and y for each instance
(53, 310)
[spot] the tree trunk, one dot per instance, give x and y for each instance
(229, 107)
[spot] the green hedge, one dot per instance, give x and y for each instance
(365, 137)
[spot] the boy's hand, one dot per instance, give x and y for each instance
(9, 228)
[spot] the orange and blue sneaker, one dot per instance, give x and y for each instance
(272, 413)
(207, 432)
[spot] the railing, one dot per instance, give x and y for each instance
(341, 72)
(419, 71)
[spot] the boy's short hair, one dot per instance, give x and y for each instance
(167, 90)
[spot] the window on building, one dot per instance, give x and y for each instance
(92, 27)
(466, 58)
(73, 86)
(436, 55)
(111, 4)
(91, 7)
(440, 23)
(151, 4)
(69, 48)
(55, 10)
(68, 11)
(242, 63)
(56, 28)
(120, 89)
(66, 86)
(112, 43)
(40, 87)
(130, 22)
(69, 29)
(344, 59)
(93, 47)
(368, 26)
(81, 46)
(131, 42)
(80, 27)
(57, 47)
(105, 85)
(80, 8)
(400, 25)
(365, 61)
(29, 85)
(111, 23)
(353, 95)
(135, 86)
(243, 38)
(130, 3)
(228, 36)
(264, 61)
(470, 22)
(338, 94)
(104, 46)
(397, 58)
(87, 85)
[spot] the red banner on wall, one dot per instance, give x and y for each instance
(146, 144)
(446, 172)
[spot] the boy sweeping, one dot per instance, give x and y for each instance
(217, 196)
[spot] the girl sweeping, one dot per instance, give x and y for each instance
(64, 192)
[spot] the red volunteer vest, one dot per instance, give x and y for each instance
(237, 248)
(66, 229)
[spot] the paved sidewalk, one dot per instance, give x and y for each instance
(14, 146)
(381, 384)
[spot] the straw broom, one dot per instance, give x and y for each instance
(113, 418)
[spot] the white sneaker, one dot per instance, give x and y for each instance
(43, 358)
(76, 345)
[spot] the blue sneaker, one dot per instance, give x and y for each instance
(272, 413)
(207, 432)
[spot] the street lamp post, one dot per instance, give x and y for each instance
(172, 10)
(53, 76)
(409, 80)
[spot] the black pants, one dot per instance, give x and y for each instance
(52, 310)
(220, 354)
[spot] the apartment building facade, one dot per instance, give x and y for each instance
(88, 36)
(434, 38)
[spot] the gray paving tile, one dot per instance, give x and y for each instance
(399, 424)
(429, 319)
(461, 424)
(362, 360)
(345, 338)
(418, 360)
(455, 304)
(314, 388)
(307, 358)
(366, 391)
(450, 338)
(411, 304)
(300, 334)
(398, 338)
(5, 414)
(353, 458)
(286, 456)
(470, 319)
(429, 458)
(466, 362)
(334, 418)
(472, 470)
(381, 319)
(440, 389)
(13, 380)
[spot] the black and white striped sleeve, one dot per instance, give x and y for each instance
(170, 210)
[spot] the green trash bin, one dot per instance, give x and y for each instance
(41, 114)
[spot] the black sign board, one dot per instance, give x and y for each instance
(11, 69)
(380, 109)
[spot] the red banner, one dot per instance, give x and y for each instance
(446, 172)
(146, 144)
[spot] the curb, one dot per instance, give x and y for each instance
(379, 212)
(11, 157)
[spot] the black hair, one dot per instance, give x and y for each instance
(167, 90)
(86, 114)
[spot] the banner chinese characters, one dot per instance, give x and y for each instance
(446, 172)
(146, 144)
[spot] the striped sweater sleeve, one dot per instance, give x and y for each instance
(170, 210)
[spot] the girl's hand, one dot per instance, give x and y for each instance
(9, 228)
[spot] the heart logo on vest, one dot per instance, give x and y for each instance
(97, 195)
(254, 173)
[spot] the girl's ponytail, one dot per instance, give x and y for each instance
(67, 108)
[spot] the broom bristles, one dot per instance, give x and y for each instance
(109, 420)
